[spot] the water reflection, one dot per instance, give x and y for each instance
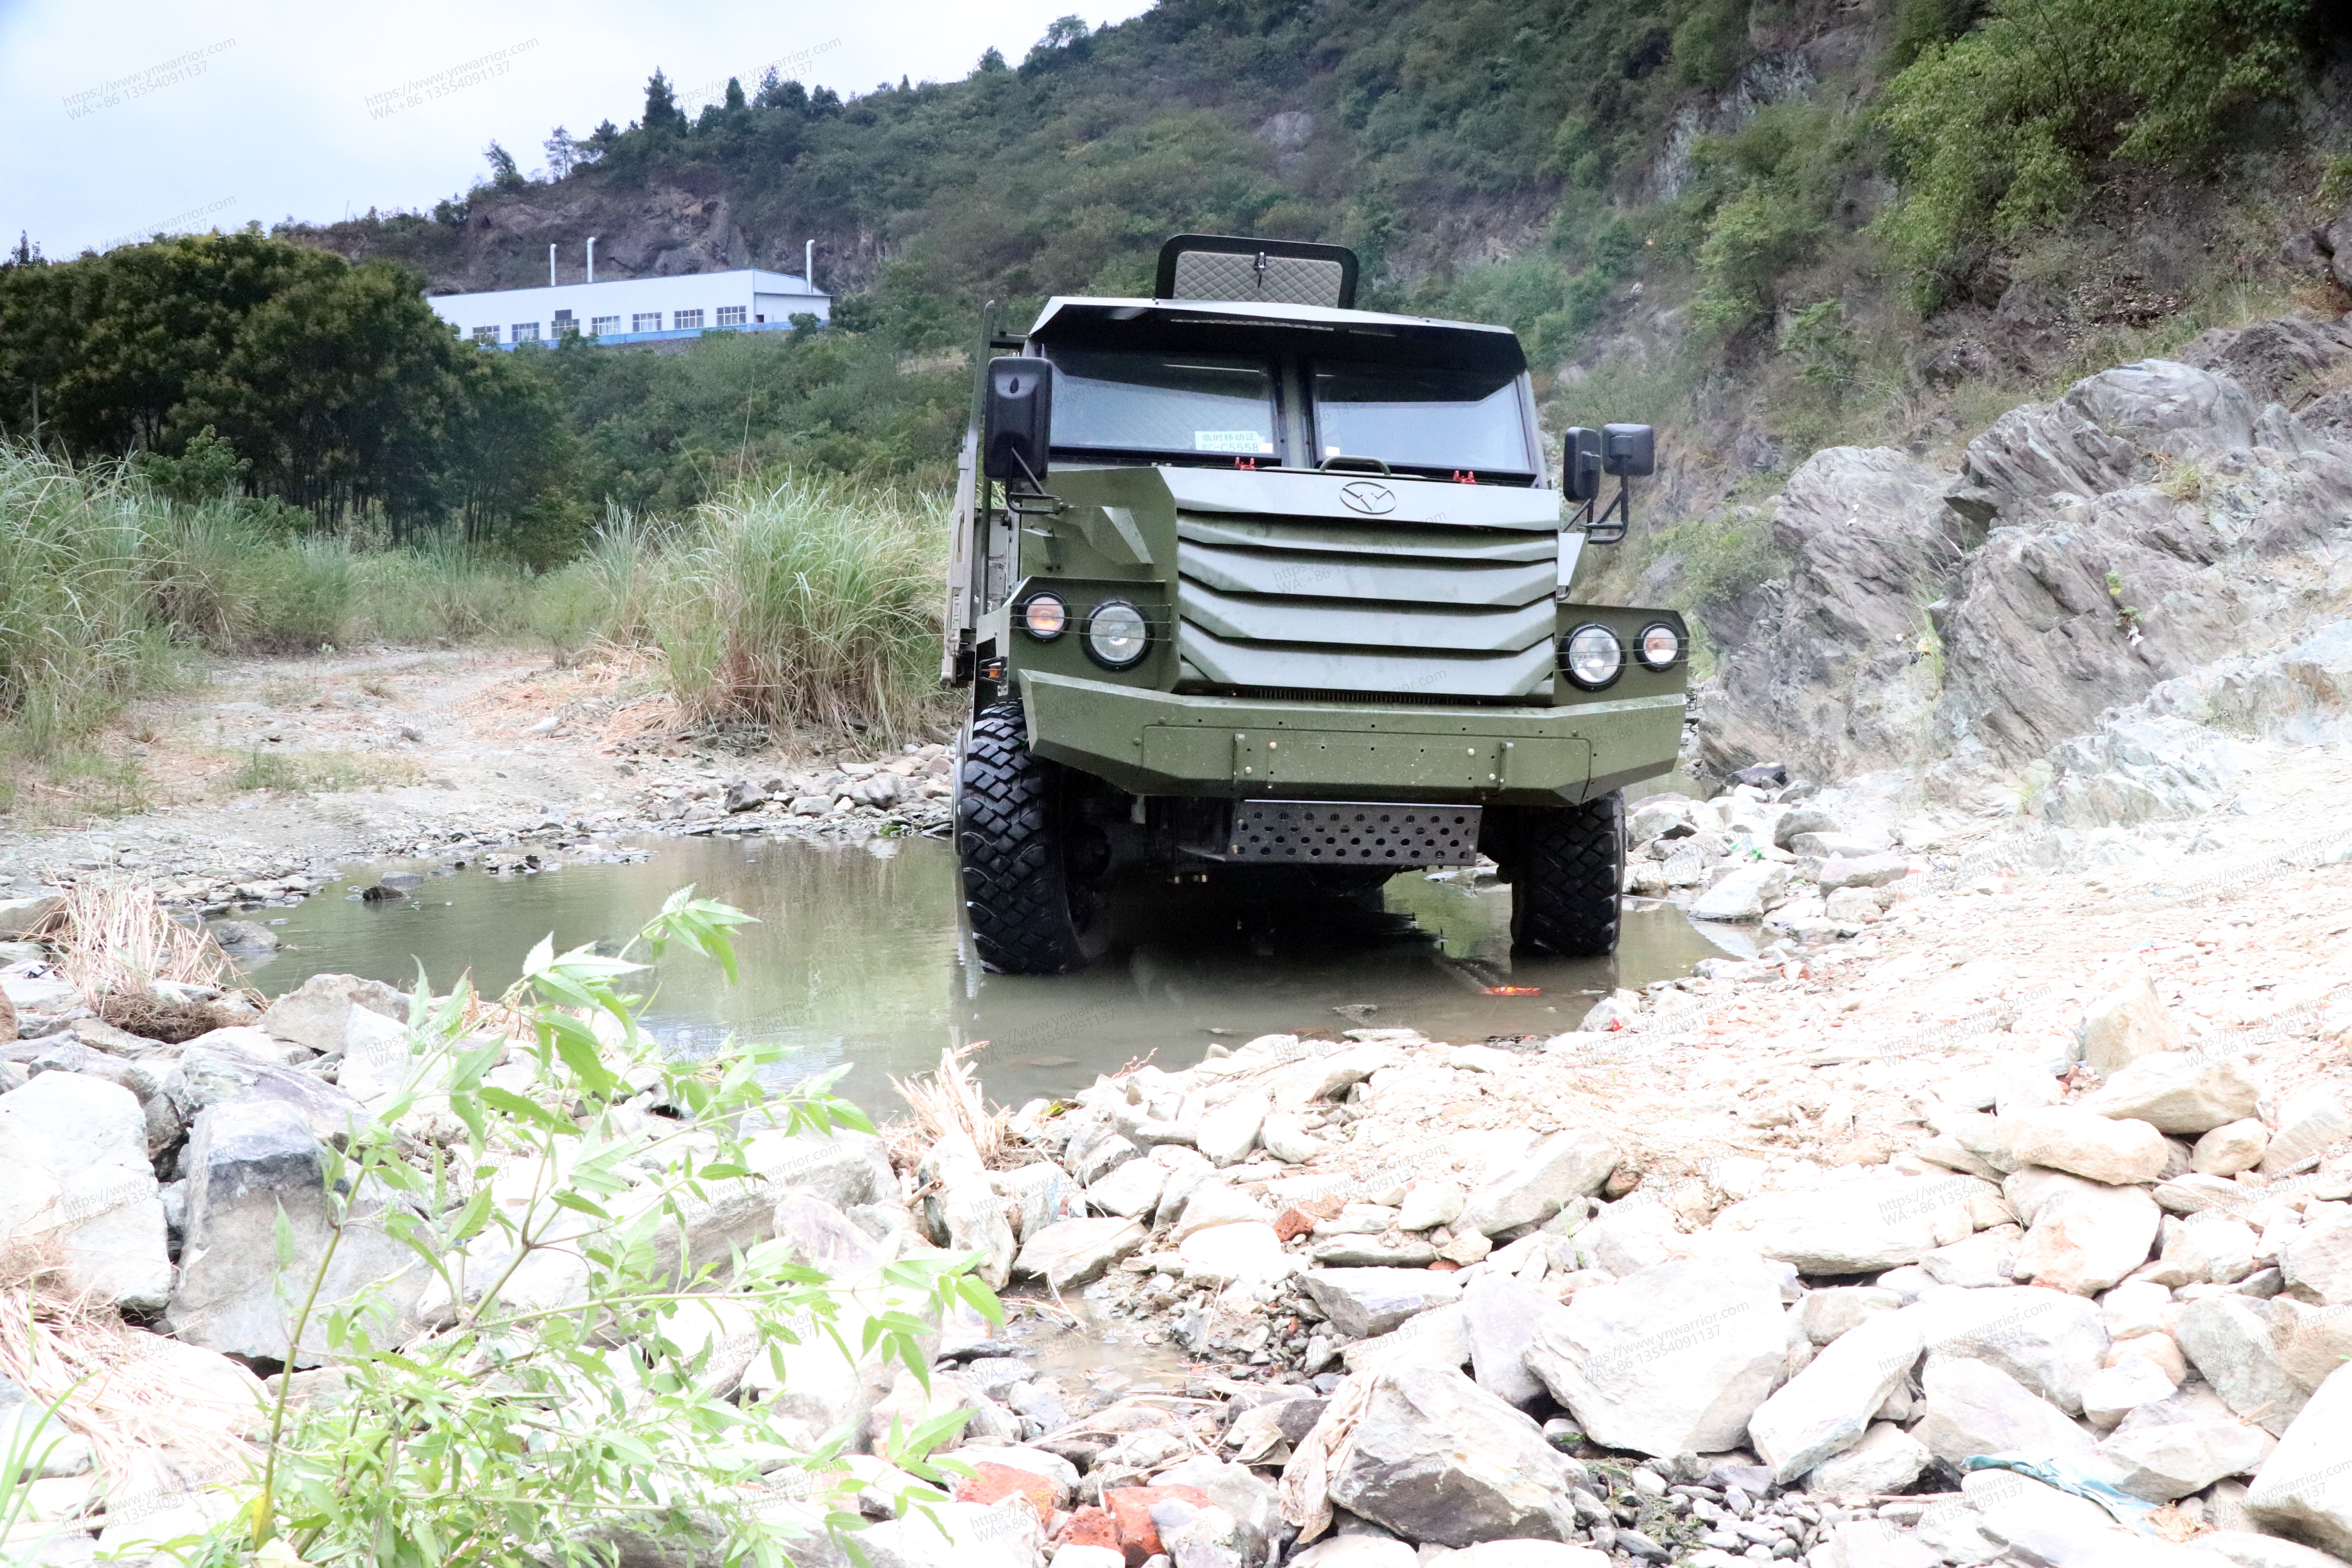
(858, 959)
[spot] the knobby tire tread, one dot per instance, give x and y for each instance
(1572, 866)
(1014, 890)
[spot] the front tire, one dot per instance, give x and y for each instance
(1028, 861)
(1569, 865)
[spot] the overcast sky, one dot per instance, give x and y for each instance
(119, 118)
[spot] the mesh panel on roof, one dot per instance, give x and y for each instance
(1269, 280)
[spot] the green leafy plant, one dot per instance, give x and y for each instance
(514, 1429)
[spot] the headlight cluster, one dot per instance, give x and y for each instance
(1593, 658)
(1114, 633)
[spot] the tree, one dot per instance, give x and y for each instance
(504, 175)
(562, 152)
(601, 140)
(790, 95)
(734, 93)
(25, 253)
(992, 60)
(662, 112)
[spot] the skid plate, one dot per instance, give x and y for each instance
(1347, 832)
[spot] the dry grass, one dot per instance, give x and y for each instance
(115, 941)
(950, 1102)
(160, 1416)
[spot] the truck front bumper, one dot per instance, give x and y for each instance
(1158, 743)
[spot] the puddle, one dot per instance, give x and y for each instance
(859, 959)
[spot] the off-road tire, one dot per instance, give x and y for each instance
(1028, 915)
(1568, 867)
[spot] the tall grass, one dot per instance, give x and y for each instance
(812, 601)
(803, 601)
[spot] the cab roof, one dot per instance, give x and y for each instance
(1212, 326)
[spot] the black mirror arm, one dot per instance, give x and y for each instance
(1599, 528)
(1024, 505)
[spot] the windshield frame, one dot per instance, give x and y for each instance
(1289, 340)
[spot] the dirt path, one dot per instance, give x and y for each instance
(280, 767)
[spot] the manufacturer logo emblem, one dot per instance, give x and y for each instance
(1364, 496)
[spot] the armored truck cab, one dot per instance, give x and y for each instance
(1247, 584)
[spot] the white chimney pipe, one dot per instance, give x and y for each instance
(551, 266)
(592, 259)
(808, 267)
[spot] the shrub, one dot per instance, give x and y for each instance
(2001, 131)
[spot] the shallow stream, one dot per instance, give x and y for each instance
(858, 958)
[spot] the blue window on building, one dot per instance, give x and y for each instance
(683, 321)
(733, 315)
(646, 322)
(599, 325)
(487, 335)
(526, 332)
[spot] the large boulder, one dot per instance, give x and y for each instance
(2086, 1239)
(1077, 1251)
(1436, 1459)
(844, 1167)
(2067, 1138)
(2237, 1343)
(2304, 1490)
(74, 1177)
(2182, 1444)
(250, 1162)
(2178, 1091)
(1501, 1313)
(1825, 668)
(1673, 1359)
(1825, 1409)
(2318, 1256)
(317, 1012)
(2128, 1021)
(1857, 1227)
(1364, 1302)
(1566, 1165)
(1974, 1407)
(2051, 1342)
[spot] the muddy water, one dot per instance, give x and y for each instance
(858, 959)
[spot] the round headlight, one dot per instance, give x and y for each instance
(1116, 634)
(1659, 646)
(1043, 617)
(1591, 656)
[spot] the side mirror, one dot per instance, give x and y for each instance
(1631, 450)
(1580, 465)
(1017, 419)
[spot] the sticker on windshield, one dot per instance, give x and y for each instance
(1230, 441)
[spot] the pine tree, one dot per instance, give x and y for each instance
(662, 112)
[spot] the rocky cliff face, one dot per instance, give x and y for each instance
(2155, 552)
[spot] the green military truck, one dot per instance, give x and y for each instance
(1247, 584)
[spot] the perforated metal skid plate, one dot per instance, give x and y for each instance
(1328, 833)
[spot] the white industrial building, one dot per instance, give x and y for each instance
(635, 310)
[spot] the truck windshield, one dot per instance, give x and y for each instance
(1421, 418)
(1127, 401)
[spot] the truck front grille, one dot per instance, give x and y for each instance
(1422, 611)
(1345, 833)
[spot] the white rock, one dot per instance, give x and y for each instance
(1132, 1189)
(2211, 1249)
(2051, 1342)
(1566, 1165)
(1855, 1228)
(1043, 1192)
(2066, 1138)
(2235, 1342)
(1825, 1408)
(1436, 1459)
(2113, 1393)
(2248, 1549)
(1744, 894)
(1824, 1314)
(1363, 1303)
(314, 1013)
(1284, 1135)
(1974, 1407)
(1077, 1251)
(1887, 1460)
(1520, 1554)
(1340, 1552)
(1230, 1132)
(2231, 1148)
(1428, 1202)
(2135, 1309)
(2085, 1240)
(2182, 1444)
(1500, 1313)
(1870, 1543)
(74, 1176)
(1213, 1204)
(2319, 1257)
(1228, 1252)
(2177, 1091)
(2304, 1490)
(2127, 1023)
(2306, 1126)
(21, 917)
(1673, 1359)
